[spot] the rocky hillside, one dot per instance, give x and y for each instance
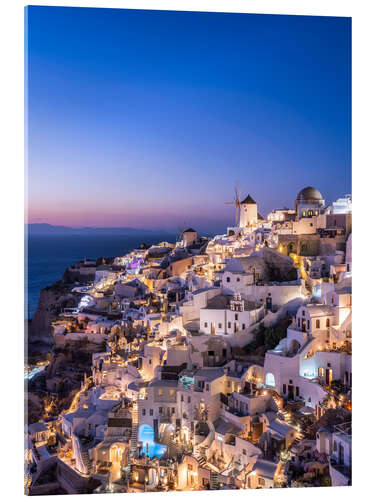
(53, 299)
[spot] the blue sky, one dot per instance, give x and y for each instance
(148, 118)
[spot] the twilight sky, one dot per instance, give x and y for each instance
(147, 119)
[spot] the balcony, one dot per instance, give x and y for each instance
(340, 473)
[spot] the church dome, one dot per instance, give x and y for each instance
(309, 194)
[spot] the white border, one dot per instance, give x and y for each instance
(12, 200)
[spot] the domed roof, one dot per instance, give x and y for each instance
(309, 194)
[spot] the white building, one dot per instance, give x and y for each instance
(248, 212)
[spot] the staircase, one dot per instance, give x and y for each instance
(200, 456)
(214, 481)
(134, 437)
(285, 413)
(86, 461)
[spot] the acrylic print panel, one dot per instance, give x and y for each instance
(189, 251)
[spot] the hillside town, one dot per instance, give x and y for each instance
(206, 363)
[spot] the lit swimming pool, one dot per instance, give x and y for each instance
(149, 447)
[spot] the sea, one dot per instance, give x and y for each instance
(48, 256)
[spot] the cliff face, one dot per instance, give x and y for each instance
(52, 301)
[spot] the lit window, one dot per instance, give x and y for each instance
(160, 392)
(171, 393)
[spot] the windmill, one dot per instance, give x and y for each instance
(236, 202)
(181, 228)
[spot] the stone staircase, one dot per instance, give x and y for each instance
(134, 436)
(86, 461)
(214, 481)
(200, 455)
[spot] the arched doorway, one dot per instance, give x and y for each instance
(115, 453)
(270, 379)
(290, 248)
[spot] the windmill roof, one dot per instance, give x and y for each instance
(248, 201)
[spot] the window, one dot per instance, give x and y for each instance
(303, 313)
(228, 383)
(171, 393)
(189, 399)
(308, 324)
(334, 445)
(206, 324)
(229, 324)
(329, 365)
(236, 317)
(299, 322)
(160, 392)
(327, 322)
(243, 326)
(143, 411)
(182, 398)
(220, 325)
(151, 412)
(228, 280)
(332, 299)
(297, 390)
(243, 452)
(150, 361)
(320, 372)
(207, 387)
(318, 323)
(284, 388)
(160, 410)
(211, 353)
(261, 481)
(238, 279)
(173, 410)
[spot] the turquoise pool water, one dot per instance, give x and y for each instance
(149, 446)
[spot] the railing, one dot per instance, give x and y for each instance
(165, 419)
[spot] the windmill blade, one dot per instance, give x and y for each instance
(237, 192)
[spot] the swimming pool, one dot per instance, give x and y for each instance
(149, 446)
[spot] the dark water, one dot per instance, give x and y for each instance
(49, 256)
